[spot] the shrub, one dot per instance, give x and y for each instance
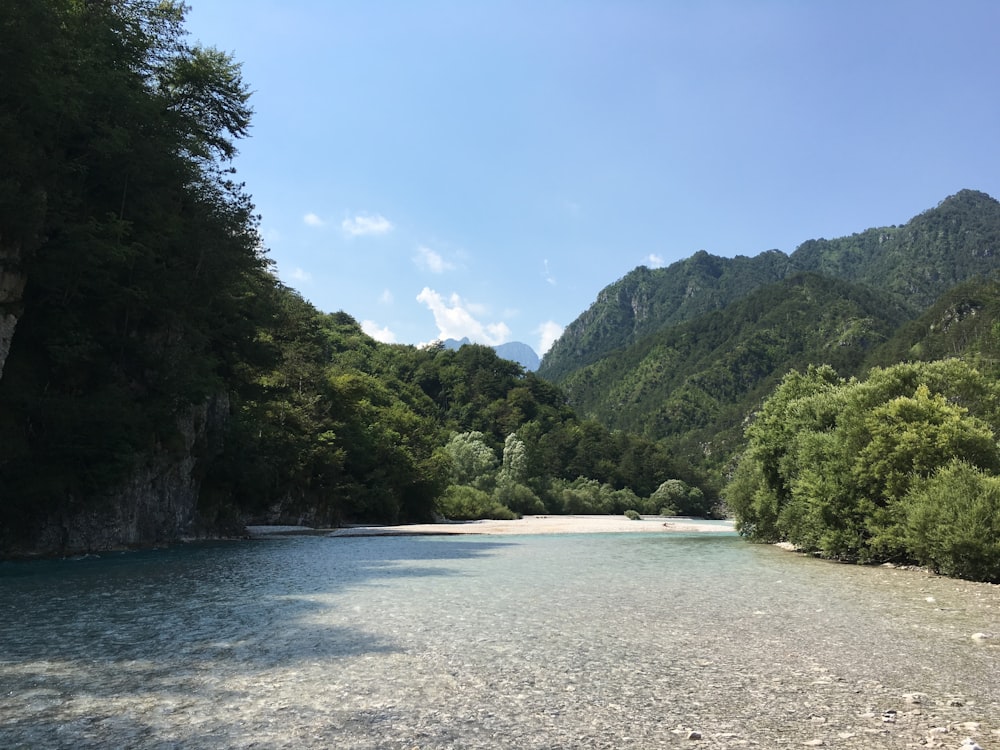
(586, 496)
(623, 499)
(518, 497)
(952, 523)
(461, 502)
(679, 498)
(632, 515)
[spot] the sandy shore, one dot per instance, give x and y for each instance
(526, 525)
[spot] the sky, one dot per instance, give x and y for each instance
(482, 169)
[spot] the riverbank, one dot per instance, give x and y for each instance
(546, 524)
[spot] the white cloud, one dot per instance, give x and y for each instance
(431, 261)
(378, 333)
(312, 220)
(386, 297)
(546, 274)
(654, 260)
(363, 224)
(547, 332)
(297, 274)
(455, 320)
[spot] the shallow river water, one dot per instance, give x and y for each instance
(567, 641)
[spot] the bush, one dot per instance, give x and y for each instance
(518, 497)
(586, 496)
(679, 498)
(461, 502)
(952, 523)
(623, 499)
(632, 515)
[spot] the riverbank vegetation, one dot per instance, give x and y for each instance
(899, 466)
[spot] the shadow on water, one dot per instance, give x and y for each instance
(168, 627)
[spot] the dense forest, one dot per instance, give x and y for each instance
(159, 382)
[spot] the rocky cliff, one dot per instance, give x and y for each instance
(157, 504)
(11, 289)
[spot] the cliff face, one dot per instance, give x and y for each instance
(11, 290)
(157, 504)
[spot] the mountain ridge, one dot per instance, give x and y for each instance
(686, 354)
(942, 246)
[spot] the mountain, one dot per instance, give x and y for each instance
(684, 354)
(963, 322)
(515, 351)
(957, 240)
(694, 382)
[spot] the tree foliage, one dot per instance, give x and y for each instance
(847, 468)
(138, 256)
(952, 522)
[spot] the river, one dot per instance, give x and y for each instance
(565, 641)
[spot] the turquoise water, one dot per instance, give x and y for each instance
(593, 640)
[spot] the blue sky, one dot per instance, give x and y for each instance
(484, 169)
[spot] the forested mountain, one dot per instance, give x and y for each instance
(956, 241)
(646, 300)
(158, 381)
(964, 322)
(686, 353)
(917, 262)
(695, 382)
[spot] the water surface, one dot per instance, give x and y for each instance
(594, 640)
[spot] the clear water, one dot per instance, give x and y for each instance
(597, 641)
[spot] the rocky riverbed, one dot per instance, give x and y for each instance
(519, 641)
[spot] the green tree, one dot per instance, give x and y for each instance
(675, 497)
(473, 462)
(135, 259)
(828, 463)
(952, 522)
(514, 469)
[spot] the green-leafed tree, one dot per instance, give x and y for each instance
(829, 464)
(952, 522)
(135, 258)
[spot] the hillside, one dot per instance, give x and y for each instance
(645, 300)
(684, 354)
(917, 262)
(694, 382)
(957, 240)
(963, 322)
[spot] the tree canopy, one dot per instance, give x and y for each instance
(848, 468)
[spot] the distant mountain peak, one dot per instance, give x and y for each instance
(515, 351)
